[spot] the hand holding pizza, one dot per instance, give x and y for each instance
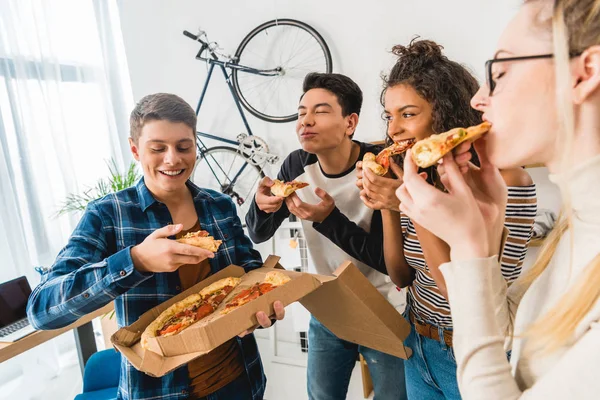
(487, 185)
(157, 253)
(264, 200)
(378, 192)
(264, 321)
(359, 175)
(311, 212)
(461, 216)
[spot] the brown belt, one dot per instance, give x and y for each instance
(430, 331)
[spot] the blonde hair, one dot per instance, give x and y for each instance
(575, 27)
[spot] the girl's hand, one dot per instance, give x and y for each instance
(468, 216)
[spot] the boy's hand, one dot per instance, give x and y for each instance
(264, 200)
(157, 253)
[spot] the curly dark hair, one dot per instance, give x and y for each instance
(445, 84)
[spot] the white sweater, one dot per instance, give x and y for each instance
(485, 312)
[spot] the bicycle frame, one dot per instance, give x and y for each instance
(225, 187)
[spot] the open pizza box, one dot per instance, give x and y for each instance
(346, 303)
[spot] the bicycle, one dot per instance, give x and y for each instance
(236, 169)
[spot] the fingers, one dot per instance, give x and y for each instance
(453, 179)
(323, 195)
(294, 205)
(279, 310)
(410, 168)
(266, 182)
(396, 169)
(359, 184)
(406, 201)
(462, 148)
(296, 200)
(269, 200)
(463, 159)
(372, 180)
(263, 319)
(481, 149)
(419, 189)
(264, 200)
(177, 260)
(372, 204)
(166, 231)
(189, 250)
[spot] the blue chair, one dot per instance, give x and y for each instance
(101, 376)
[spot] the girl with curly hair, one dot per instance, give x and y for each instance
(425, 93)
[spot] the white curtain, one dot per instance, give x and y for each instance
(65, 97)
(64, 100)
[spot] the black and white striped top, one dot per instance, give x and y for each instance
(425, 298)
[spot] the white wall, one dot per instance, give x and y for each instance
(359, 35)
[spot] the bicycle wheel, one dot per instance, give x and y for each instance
(225, 170)
(290, 45)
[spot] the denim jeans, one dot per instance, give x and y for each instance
(239, 389)
(431, 370)
(330, 364)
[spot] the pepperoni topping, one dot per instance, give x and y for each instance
(203, 311)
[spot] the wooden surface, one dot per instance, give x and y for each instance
(9, 350)
(536, 242)
(366, 377)
(539, 165)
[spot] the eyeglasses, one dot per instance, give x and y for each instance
(489, 64)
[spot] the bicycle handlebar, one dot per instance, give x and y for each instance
(190, 35)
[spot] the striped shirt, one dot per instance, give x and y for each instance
(424, 297)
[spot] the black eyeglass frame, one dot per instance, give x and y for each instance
(489, 63)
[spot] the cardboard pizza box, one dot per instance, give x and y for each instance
(346, 303)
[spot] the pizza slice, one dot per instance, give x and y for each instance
(272, 280)
(428, 151)
(380, 164)
(284, 189)
(190, 310)
(201, 239)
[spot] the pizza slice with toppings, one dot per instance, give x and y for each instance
(284, 189)
(190, 310)
(272, 280)
(429, 151)
(201, 239)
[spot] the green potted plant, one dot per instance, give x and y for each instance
(116, 181)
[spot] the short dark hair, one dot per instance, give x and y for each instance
(347, 92)
(445, 84)
(345, 89)
(160, 107)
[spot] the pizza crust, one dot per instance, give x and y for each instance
(429, 151)
(369, 162)
(284, 189)
(273, 278)
(176, 308)
(277, 278)
(200, 239)
(159, 322)
(218, 285)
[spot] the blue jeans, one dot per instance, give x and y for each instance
(330, 364)
(431, 370)
(239, 389)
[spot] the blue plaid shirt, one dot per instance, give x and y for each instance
(95, 268)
